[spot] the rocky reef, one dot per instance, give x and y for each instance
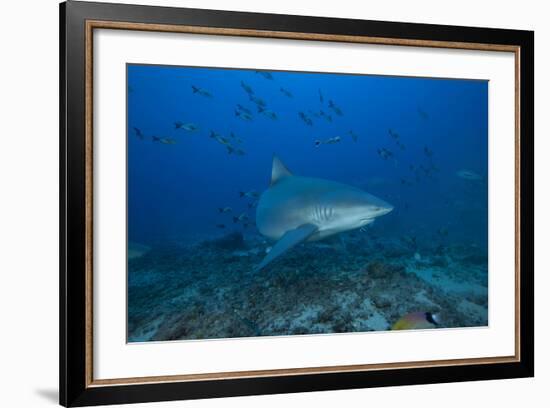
(353, 283)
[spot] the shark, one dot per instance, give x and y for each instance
(296, 209)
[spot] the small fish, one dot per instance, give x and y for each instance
(234, 137)
(253, 204)
(201, 92)
(423, 114)
(190, 127)
(385, 153)
(335, 108)
(242, 217)
(469, 175)
(401, 145)
(238, 152)
(433, 168)
(417, 320)
(214, 135)
(243, 109)
(353, 135)
(325, 116)
(307, 120)
(139, 133)
(394, 135)
(247, 88)
(257, 101)
(243, 115)
(286, 92)
(269, 113)
(220, 226)
(443, 231)
(220, 139)
(265, 74)
(405, 182)
(428, 152)
(249, 194)
(314, 114)
(410, 241)
(321, 99)
(164, 140)
(332, 140)
(225, 210)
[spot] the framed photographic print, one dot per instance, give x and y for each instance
(255, 203)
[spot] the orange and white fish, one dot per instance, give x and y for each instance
(417, 320)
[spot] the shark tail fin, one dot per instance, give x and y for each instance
(317, 143)
(195, 89)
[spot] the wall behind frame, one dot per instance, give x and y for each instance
(29, 202)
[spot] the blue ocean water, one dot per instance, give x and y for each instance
(421, 144)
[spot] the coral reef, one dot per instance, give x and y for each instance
(354, 284)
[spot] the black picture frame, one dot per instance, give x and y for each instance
(75, 386)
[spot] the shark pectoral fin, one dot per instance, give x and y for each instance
(287, 241)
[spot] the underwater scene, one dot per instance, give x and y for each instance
(267, 203)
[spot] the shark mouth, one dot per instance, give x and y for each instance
(365, 221)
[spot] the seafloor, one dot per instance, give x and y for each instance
(353, 284)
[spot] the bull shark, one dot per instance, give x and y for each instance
(297, 209)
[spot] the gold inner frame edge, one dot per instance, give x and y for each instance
(98, 24)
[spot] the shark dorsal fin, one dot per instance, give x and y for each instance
(278, 171)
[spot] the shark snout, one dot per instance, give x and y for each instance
(384, 210)
(375, 211)
(380, 207)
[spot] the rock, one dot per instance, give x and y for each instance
(377, 270)
(381, 302)
(475, 259)
(230, 242)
